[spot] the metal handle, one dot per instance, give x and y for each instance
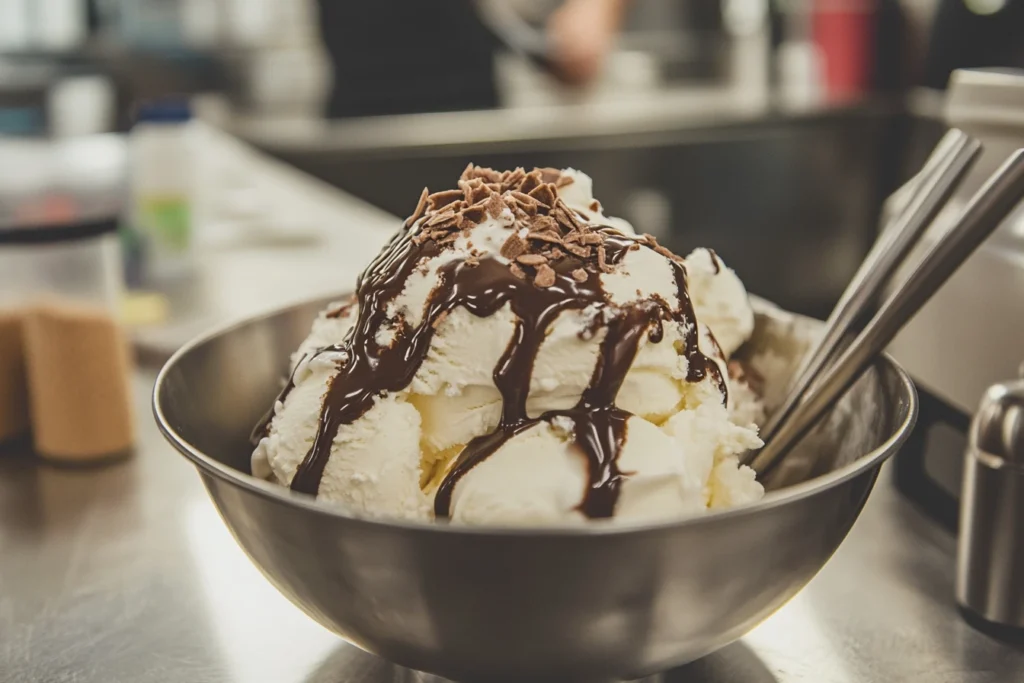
(986, 210)
(941, 175)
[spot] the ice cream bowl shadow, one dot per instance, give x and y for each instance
(601, 601)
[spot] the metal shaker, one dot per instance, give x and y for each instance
(990, 557)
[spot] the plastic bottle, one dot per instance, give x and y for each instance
(162, 159)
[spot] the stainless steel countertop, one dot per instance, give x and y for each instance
(126, 573)
(669, 110)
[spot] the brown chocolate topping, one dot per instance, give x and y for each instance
(560, 281)
(715, 261)
(421, 207)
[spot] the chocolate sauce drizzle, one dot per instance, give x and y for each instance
(716, 262)
(262, 427)
(369, 370)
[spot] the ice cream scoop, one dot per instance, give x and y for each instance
(513, 356)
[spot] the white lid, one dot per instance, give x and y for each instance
(986, 96)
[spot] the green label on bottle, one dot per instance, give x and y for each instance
(167, 220)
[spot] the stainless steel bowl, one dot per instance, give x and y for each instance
(596, 603)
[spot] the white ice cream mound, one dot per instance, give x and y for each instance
(450, 442)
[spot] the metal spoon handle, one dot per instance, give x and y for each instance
(939, 178)
(986, 210)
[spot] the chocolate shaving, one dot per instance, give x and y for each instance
(531, 181)
(531, 259)
(577, 250)
(441, 218)
(545, 276)
(494, 206)
(523, 198)
(544, 224)
(479, 193)
(511, 179)
(439, 200)
(529, 209)
(545, 194)
(513, 247)
(544, 229)
(439, 319)
(545, 236)
(517, 271)
(579, 275)
(421, 208)
(563, 215)
(488, 175)
(474, 214)
(577, 220)
(443, 237)
(563, 219)
(549, 175)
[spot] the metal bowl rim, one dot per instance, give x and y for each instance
(281, 494)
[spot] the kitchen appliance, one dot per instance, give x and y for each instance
(971, 334)
(990, 558)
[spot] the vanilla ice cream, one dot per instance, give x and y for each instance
(513, 356)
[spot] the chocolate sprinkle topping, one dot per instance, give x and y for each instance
(421, 207)
(545, 277)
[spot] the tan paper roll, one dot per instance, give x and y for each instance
(13, 392)
(79, 383)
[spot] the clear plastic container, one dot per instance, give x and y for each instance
(64, 367)
(78, 262)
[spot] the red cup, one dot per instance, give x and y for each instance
(844, 32)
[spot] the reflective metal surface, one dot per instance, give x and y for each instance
(127, 574)
(990, 558)
(474, 603)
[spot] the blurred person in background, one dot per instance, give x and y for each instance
(405, 56)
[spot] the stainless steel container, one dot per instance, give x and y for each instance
(990, 560)
(510, 604)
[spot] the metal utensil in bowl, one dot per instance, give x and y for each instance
(1001, 192)
(594, 602)
(939, 178)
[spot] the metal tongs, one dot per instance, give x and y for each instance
(832, 366)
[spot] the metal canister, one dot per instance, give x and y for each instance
(990, 558)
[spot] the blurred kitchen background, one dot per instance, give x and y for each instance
(771, 130)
